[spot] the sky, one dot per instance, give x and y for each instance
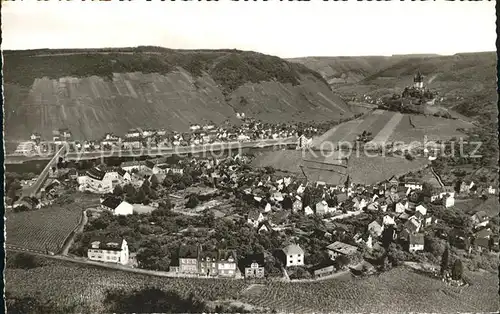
(286, 29)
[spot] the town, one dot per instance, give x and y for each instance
(223, 218)
(248, 130)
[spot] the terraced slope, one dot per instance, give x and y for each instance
(92, 92)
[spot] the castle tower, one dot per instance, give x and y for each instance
(418, 81)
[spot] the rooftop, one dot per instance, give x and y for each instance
(342, 248)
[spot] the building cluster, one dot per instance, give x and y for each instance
(401, 202)
(248, 130)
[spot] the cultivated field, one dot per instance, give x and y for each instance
(388, 126)
(66, 283)
(399, 290)
(416, 127)
(45, 228)
(360, 168)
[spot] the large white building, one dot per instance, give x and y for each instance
(108, 250)
(99, 181)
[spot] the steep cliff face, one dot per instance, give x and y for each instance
(92, 92)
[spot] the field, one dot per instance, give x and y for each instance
(361, 168)
(415, 128)
(399, 290)
(67, 283)
(388, 126)
(98, 93)
(45, 228)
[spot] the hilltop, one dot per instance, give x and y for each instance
(465, 81)
(94, 91)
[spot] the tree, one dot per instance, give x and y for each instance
(141, 196)
(193, 201)
(23, 260)
(118, 190)
(153, 300)
(129, 190)
(341, 262)
(287, 203)
(387, 236)
(457, 270)
(167, 182)
(154, 181)
(445, 261)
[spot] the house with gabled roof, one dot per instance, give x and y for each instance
(254, 218)
(308, 211)
(264, 226)
(297, 205)
(108, 250)
(291, 255)
(340, 248)
(375, 228)
(416, 242)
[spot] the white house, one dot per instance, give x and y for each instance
(375, 228)
(131, 165)
(491, 190)
(117, 206)
(133, 133)
(449, 201)
(421, 209)
(388, 220)
(401, 207)
(294, 255)
(339, 248)
(413, 185)
(194, 127)
(301, 189)
(108, 250)
(322, 208)
(416, 242)
(268, 208)
(99, 181)
(308, 211)
(297, 205)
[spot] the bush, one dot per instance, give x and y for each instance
(193, 201)
(23, 260)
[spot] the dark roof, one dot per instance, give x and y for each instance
(249, 259)
(150, 164)
(323, 264)
(121, 172)
(110, 244)
(265, 223)
(111, 202)
(96, 173)
(188, 251)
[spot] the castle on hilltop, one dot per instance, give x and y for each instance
(418, 81)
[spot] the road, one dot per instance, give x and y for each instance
(35, 187)
(159, 151)
(84, 261)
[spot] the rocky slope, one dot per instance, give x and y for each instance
(92, 92)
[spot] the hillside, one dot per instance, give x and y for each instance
(338, 70)
(92, 92)
(466, 81)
